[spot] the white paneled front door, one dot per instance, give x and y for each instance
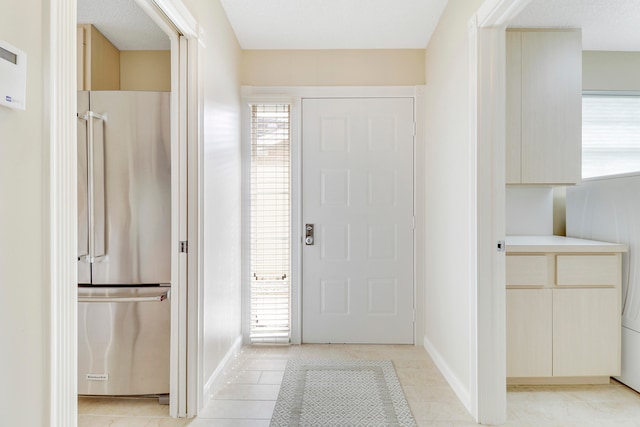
(357, 192)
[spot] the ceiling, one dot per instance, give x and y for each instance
(124, 23)
(362, 24)
(333, 24)
(606, 24)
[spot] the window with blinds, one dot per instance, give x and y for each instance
(270, 223)
(610, 134)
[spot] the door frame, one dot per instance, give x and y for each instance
(59, 120)
(294, 95)
(487, 76)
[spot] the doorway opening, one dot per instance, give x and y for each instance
(181, 29)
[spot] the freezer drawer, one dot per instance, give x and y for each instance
(123, 340)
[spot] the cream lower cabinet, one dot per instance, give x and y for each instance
(563, 317)
(529, 333)
(586, 332)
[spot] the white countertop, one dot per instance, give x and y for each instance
(517, 244)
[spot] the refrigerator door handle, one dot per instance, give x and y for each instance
(96, 196)
(107, 299)
(83, 214)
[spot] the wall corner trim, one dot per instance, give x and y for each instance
(61, 294)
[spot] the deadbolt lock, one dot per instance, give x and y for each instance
(308, 234)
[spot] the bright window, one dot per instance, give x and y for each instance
(270, 223)
(610, 133)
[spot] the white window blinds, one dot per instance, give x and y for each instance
(610, 134)
(270, 223)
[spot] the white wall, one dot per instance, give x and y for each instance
(23, 231)
(449, 207)
(529, 210)
(222, 192)
(604, 70)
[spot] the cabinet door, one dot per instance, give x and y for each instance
(586, 332)
(529, 340)
(513, 109)
(98, 60)
(80, 50)
(551, 107)
(105, 63)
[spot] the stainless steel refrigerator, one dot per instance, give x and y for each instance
(124, 233)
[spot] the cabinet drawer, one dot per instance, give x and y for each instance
(529, 270)
(587, 270)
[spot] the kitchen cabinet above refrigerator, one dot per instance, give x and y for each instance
(102, 66)
(98, 60)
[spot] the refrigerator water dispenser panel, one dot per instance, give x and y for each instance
(13, 76)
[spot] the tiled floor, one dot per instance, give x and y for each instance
(252, 384)
(121, 412)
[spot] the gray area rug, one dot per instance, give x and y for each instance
(341, 393)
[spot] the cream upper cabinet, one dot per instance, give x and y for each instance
(544, 107)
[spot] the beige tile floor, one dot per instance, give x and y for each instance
(252, 382)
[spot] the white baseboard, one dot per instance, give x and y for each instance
(458, 387)
(215, 380)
